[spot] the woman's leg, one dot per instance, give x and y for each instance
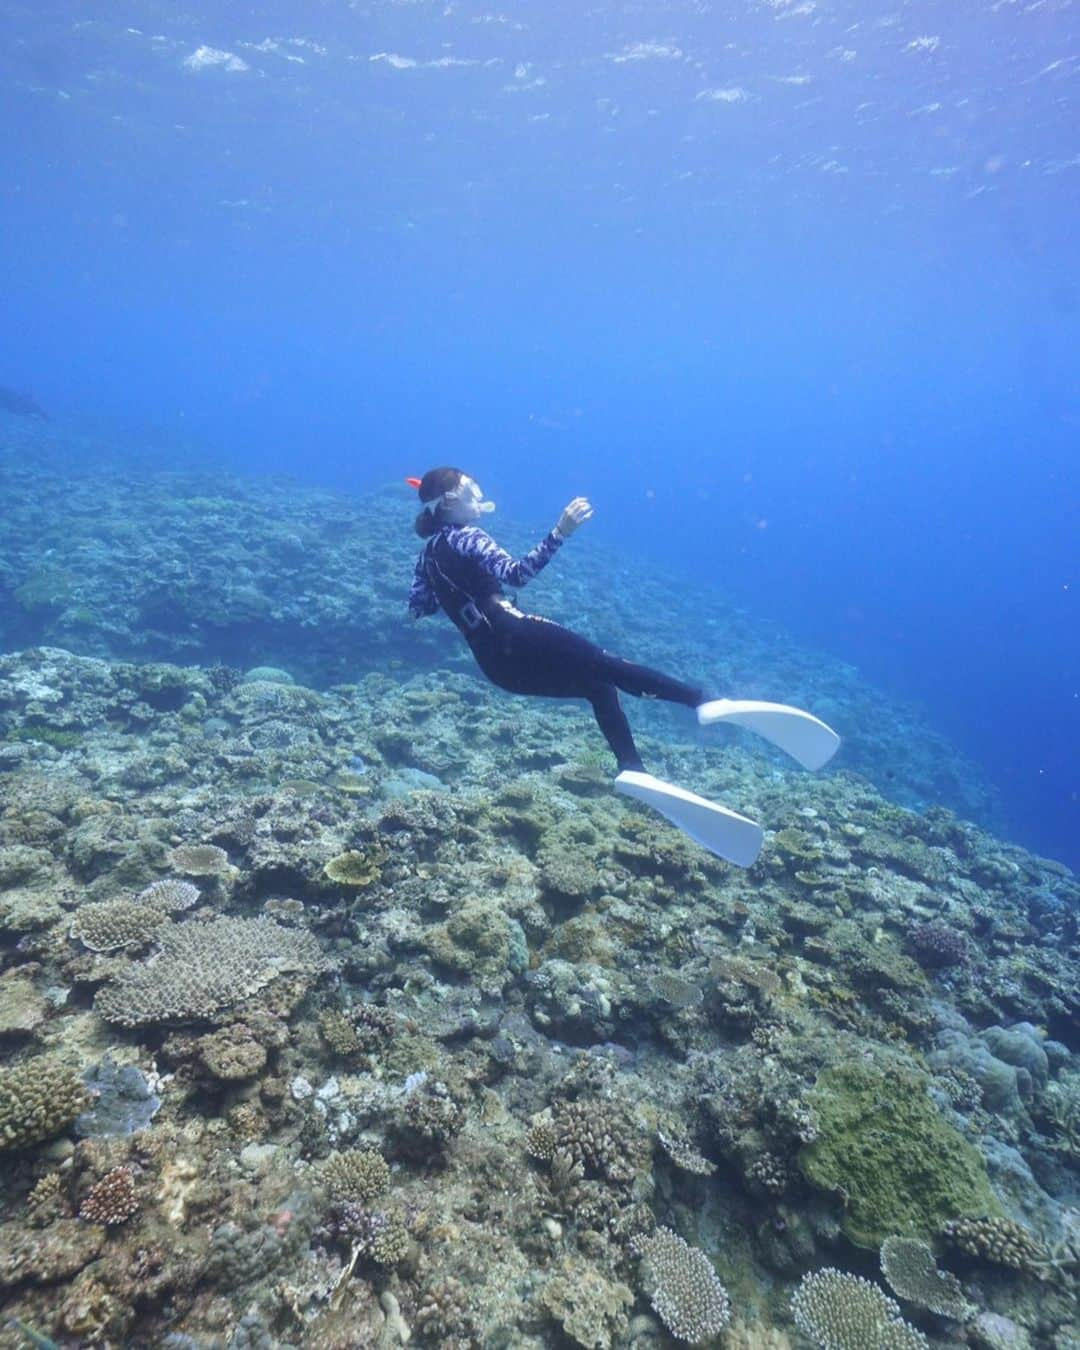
(643, 682)
(529, 655)
(612, 722)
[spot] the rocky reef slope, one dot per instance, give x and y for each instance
(366, 1014)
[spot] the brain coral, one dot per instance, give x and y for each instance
(201, 970)
(38, 1099)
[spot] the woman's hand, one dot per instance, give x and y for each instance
(577, 513)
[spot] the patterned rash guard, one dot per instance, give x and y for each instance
(461, 565)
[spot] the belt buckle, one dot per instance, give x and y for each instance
(471, 616)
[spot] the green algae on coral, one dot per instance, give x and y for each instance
(884, 1146)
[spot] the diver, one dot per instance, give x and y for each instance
(462, 570)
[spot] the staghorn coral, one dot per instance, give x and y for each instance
(39, 1098)
(682, 1286)
(358, 1174)
(369, 1234)
(390, 1246)
(45, 1201)
(911, 1272)
(112, 1200)
(838, 1311)
(112, 924)
(203, 970)
(998, 1240)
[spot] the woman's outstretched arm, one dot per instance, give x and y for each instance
(472, 542)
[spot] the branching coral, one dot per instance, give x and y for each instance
(682, 1287)
(596, 1137)
(998, 1240)
(113, 924)
(111, 1201)
(838, 1311)
(358, 1174)
(169, 895)
(38, 1098)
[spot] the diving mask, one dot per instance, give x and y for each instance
(463, 504)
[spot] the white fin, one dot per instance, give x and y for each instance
(805, 737)
(714, 827)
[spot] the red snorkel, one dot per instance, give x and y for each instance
(413, 482)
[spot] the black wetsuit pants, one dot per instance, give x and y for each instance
(528, 655)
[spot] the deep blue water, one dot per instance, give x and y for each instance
(790, 288)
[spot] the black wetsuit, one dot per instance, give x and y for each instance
(461, 570)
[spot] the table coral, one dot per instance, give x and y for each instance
(202, 970)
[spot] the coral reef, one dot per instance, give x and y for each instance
(398, 1027)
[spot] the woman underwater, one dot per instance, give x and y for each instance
(462, 570)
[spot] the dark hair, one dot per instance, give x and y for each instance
(432, 486)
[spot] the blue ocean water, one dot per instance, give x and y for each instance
(789, 288)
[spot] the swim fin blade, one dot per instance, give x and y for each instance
(714, 827)
(802, 735)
